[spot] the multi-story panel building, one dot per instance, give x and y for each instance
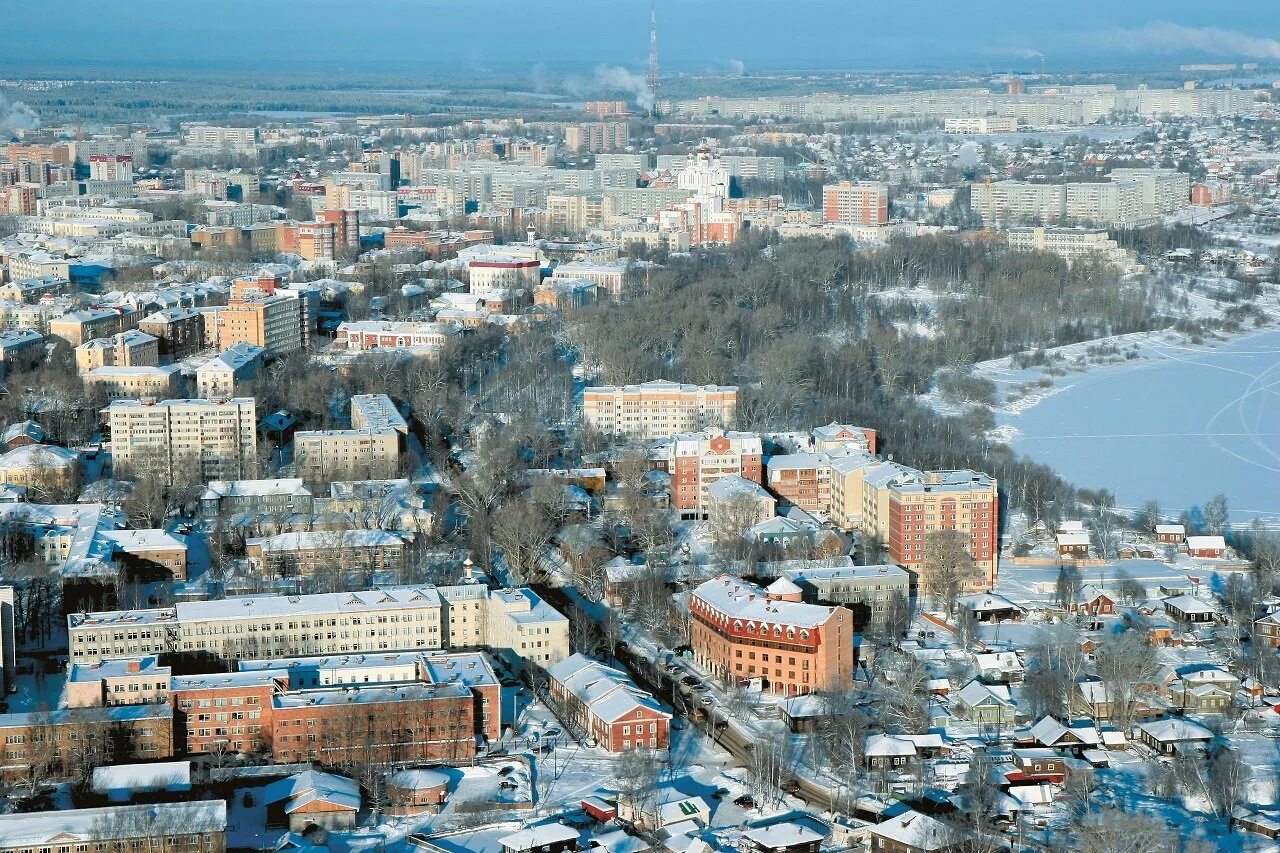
(346, 454)
(520, 622)
(741, 632)
(1163, 190)
(210, 136)
(658, 409)
(596, 136)
(856, 203)
(696, 460)
(215, 439)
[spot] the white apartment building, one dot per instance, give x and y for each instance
(983, 124)
(1074, 244)
(215, 439)
(210, 136)
(1163, 190)
(658, 409)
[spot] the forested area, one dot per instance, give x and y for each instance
(813, 332)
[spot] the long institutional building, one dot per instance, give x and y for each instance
(1061, 105)
(402, 618)
(657, 409)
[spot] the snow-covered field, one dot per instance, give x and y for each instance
(1179, 426)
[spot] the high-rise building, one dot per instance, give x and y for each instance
(856, 203)
(104, 167)
(596, 136)
(182, 439)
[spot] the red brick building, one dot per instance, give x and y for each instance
(741, 632)
(966, 501)
(605, 705)
(701, 458)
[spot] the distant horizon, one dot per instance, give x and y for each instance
(695, 36)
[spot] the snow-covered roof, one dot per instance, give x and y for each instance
(918, 831)
(1175, 729)
(1204, 543)
(538, 836)
(125, 822)
(312, 786)
(784, 834)
(740, 599)
(129, 778)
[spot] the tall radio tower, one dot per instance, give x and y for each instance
(651, 79)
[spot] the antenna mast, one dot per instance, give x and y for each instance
(651, 79)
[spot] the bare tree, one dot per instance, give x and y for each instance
(521, 530)
(948, 568)
(1126, 663)
(1066, 589)
(1216, 514)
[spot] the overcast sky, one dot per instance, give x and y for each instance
(693, 34)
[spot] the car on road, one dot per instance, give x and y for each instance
(706, 700)
(746, 801)
(690, 681)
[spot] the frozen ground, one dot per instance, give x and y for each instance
(1178, 427)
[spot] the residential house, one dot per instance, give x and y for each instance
(990, 705)
(1166, 736)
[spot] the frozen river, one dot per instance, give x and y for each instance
(1179, 429)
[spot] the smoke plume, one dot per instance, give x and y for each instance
(609, 80)
(1166, 37)
(15, 115)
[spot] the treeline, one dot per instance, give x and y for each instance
(813, 332)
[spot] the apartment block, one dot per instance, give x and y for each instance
(279, 321)
(856, 203)
(697, 460)
(966, 501)
(740, 631)
(134, 348)
(658, 409)
(178, 331)
(346, 454)
(20, 349)
(870, 592)
(224, 375)
(214, 439)
(1163, 190)
(77, 327)
(115, 383)
(596, 136)
(803, 480)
